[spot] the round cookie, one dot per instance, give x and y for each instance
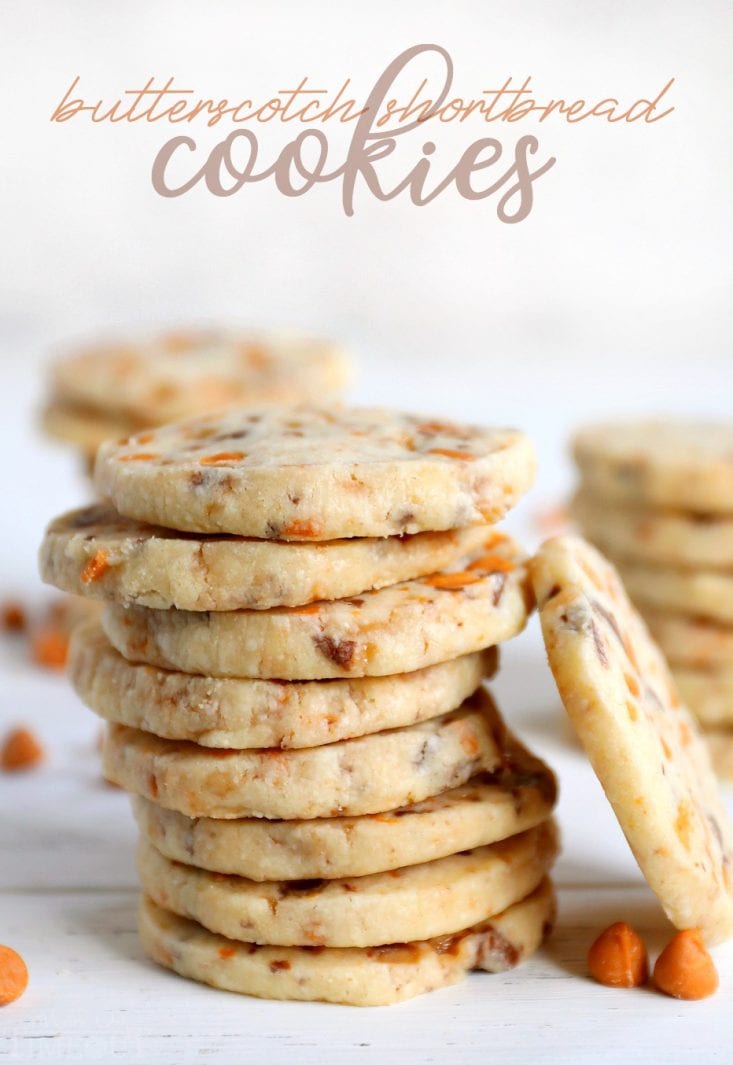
(669, 537)
(697, 592)
(94, 552)
(687, 465)
(643, 745)
(316, 474)
(490, 807)
(398, 629)
(691, 641)
(83, 427)
(720, 746)
(366, 976)
(708, 693)
(227, 712)
(421, 902)
(367, 775)
(185, 372)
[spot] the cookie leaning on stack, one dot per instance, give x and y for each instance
(291, 661)
(657, 497)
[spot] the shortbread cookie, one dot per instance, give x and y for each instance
(399, 629)
(96, 553)
(703, 594)
(366, 976)
(490, 807)
(683, 464)
(186, 372)
(316, 474)
(83, 427)
(720, 745)
(648, 534)
(263, 713)
(708, 693)
(691, 641)
(643, 745)
(419, 902)
(367, 775)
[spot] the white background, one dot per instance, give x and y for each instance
(613, 296)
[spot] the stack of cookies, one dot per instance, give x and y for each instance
(300, 609)
(108, 391)
(657, 497)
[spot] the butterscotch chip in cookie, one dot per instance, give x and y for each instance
(643, 744)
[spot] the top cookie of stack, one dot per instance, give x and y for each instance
(658, 498)
(111, 390)
(301, 606)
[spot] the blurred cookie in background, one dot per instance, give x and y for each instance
(113, 389)
(657, 497)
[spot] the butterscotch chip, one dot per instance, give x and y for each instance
(643, 744)
(316, 474)
(21, 749)
(13, 617)
(433, 899)
(357, 976)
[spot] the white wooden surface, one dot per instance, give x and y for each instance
(67, 883)
(67, 903)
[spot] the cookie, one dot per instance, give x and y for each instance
(96, 553)
(720, 746)
(263, 713)
(366, 976)
(644, 746)
(83, 427)
(420, 902)
(367, 775)
(185, 372)
(687, 465)
(398, 629)
(316, 474)
(691, 641)
(704, 594)
(708, 693)
(490, 807)
(648, 534)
